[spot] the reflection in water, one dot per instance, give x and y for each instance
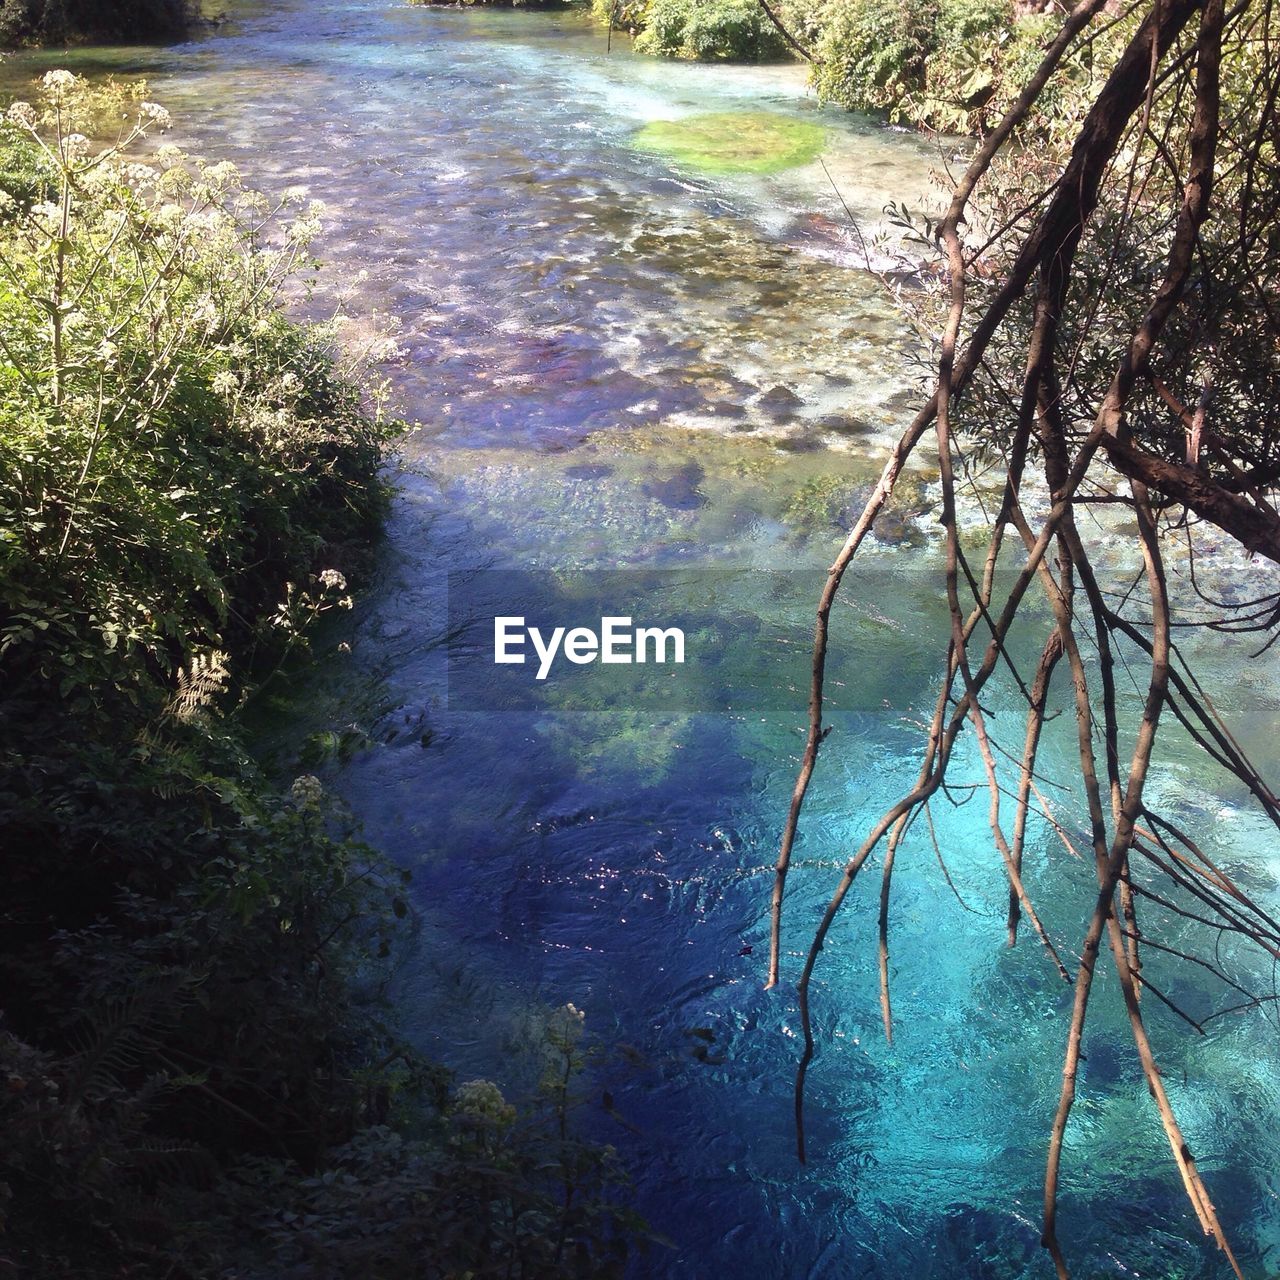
(615, 362)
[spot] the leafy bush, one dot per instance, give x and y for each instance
(499, 4)
(710, 31)
(965, 67)
(623, 15)
(951, 65)
(873, 53)
(25, 175)
(186, 479)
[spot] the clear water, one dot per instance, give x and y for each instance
(614, 363)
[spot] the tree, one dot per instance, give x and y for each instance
(1109, 338)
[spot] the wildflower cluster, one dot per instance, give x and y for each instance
(145, 340)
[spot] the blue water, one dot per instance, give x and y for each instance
(613, 363)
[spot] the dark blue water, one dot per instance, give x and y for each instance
(614, 363)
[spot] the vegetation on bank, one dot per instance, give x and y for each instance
(500, 4)
(951, 65)
(189, 1085)
(62, 21)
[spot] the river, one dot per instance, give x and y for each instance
(616, 363)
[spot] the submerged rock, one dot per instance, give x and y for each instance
(679, 491)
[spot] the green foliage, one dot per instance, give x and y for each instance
(873, 53)
(186, 478)
(500, 4)
(174, 449)
(25, 174)
(482, 1189)
(964, 68)
(622, 15)
(710, 31)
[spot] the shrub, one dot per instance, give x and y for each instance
(964, 68)
(624, 15)
(25, 174)
(951, 65)
(710, 31)
(873, 53)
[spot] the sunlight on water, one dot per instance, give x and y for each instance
(618, 363)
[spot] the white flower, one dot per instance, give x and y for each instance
(302, 230)
(138, 175)
(225, 383)
(222, 172)
(482, 1100)
(170, 216)
(58, 82)
(155, 114)
(307, 791)
(332, 580)
(22, 114)
(204, 312)
(564, 1027)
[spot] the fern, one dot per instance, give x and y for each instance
(198, 686)
(119, 1037)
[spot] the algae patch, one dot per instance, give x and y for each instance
(734, 141)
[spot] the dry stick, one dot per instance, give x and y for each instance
(1226, 753)
(938, 748)
(937, 848)
(1082, 187)
(1197, 1193)
(1262, 937)
(1227, 920)
(937, 751)
(1204, 964)
(1035, 723)
(1088, 958)
(1217, 875)
(1133, 935)
(1141, 981)
(955, 257)
(1224, 925)
(1053, 240)
(886, 879)
(1193, 211)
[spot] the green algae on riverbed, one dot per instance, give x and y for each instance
(734, 141)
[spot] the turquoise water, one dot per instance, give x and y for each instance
(614, 363)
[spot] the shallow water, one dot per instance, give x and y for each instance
(617, 363)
